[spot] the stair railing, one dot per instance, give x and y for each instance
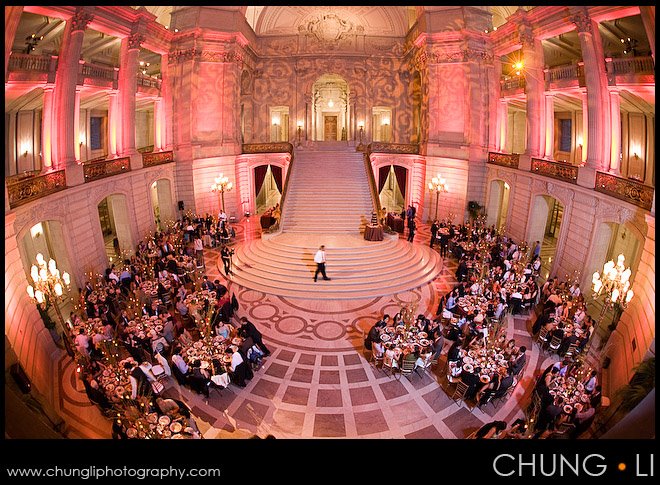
(278, 228)
(375, 200)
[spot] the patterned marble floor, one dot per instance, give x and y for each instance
(318, 382)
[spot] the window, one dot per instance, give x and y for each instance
(565, 135)
(96, 133)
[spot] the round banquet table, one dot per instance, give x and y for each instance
(395, 222)
(373, 232)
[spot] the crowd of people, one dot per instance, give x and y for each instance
(132, 323)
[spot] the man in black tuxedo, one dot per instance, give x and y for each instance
(249, 330)
(434, 232)
(519, 363)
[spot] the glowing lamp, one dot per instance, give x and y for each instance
(58, 289)
(30, 291)
(52, 266)
(66, 278)
(43, 274)
(34, 273)
(615, 295)
(40, 258)
(629, 296)
(360, 124)
(596, 277)
(39, 296)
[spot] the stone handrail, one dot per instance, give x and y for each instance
(98, 72)
(512, 84)
(158, 158)
(148, 81)
(106, 168)
(631, 65)
(29, 62)
(375, 200)
(405, 148)
(625, 189)
(275, 147)
(504, 159)
(561, 171)
(22, 191)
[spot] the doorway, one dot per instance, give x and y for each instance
(498, 204)
(267, 186)
(162, 204)
(392, 181)
(545, 227)
(115, 228)
(329, 128)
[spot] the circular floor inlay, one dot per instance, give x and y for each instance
(251, 296)
(329, 330)
(290, 325)
(264, 311)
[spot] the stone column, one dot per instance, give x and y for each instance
(532, 51)
(649, 159)
(64, 97)
(166, 106)
(47, 138)
(549, 126)
(129, 50)
(615, 107)
(12, 19)
(113, 124)
(503, 124)
(76, 123)
(585, 126)
(599, 127)
(158, 124)
(11, 167)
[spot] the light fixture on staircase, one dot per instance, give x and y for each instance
(360, 146)
(299, 133)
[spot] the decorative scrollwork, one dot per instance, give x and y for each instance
(379, 147)
(638, 194)
(135, 40)
(26, 190)
(106, 168)
(504, 159)
(561, 171)
(582, 21)
(280, 147)
(151, 159)
(80, 20)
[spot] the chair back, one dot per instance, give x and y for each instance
(543, 334)
(555, 342)
(460, 391)
(571, 351)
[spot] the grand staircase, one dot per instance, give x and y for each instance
(328, 202)
(328, 193)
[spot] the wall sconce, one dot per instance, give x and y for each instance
(299, 132)
(635, 155)
(275, 121)
(36, 230)
(331, 103)
(360, 124)
(385, 122)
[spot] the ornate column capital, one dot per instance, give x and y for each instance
(582, 21)
(526, 36)
(80, 19)
(135, 40)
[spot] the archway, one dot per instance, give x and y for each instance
(330, 108)
(545, 226)
(116, 228)
(392, 182)
(161, 203)
(498, 203)
(268, 186)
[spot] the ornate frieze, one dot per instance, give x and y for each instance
(638, 194)
(176, 57)
(582, 21)
(26, 190)
(405, 148)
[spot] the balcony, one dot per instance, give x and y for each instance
(106, 168)
(150, 159)
(275, 147)
(561, 171)
(403, 148)
(630, 70)
(31, 67)
(96, 75)
(562, 77)
(510, 160)
(148, 85)
(513, 86)
(22, 190)
(634, 192)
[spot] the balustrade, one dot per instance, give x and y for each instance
(158, 158)
(504, 159)
(106, 168)
(561, 171)
(26, 189)
(277, 147)
(625, 189)
(405, 148)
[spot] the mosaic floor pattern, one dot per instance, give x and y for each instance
(318, 381)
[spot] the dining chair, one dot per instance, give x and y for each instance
(541, 337)
(407, 368)
(376, 359)
(459, 392)
(555, 343)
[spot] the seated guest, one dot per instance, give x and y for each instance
(491, 430)
(237, 368)
(519, 363)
